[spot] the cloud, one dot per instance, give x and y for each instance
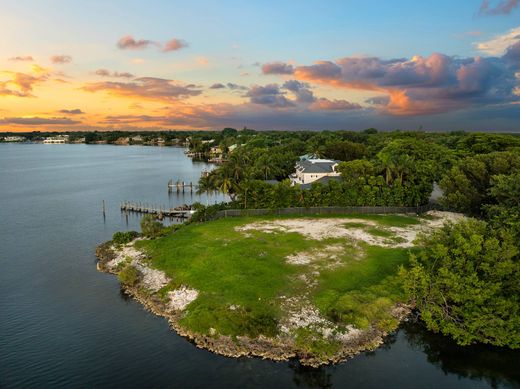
(512, 56)
(22, 84)
(499, 44)
(217, 85)
(277, 68)
(500, 7)
(61, 59)
(334, 105)
(107, 73)
(301, 90)
(269, 95)
(174, 45)
(378, 100)
(150, 88)
(36, 121)
(129, 43)
(419, 85)
(75, 111)
(22, 58)
(233, 86)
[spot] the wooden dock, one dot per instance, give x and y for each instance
(184, 211)
(181, 186)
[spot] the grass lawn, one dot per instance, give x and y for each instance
(244, 279)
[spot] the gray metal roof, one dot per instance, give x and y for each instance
(323, 181)
(316, 166)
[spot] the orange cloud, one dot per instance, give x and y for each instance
(151, 88)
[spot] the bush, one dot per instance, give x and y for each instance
(124, 237)
(204, 213)
(129, 275)
(150, 227)
(466, 284)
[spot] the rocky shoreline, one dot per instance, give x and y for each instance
(280, 348)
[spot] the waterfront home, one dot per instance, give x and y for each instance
(60, 139)
(308, 171)
(215, 150)
(14, 139)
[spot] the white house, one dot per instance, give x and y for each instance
(311, 170)
(14, 138)
(60, 139)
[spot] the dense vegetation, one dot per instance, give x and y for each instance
(466, 284)
(466, 281)
(390, 169)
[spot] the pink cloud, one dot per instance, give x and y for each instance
(151, 88)
(174, 45)
(129, 43)
(334, 105)
(61, 59)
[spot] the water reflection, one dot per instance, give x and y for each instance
(498, 367)
(310, 377)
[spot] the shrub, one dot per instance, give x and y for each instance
(124, 237)
(129, 275)
(150, 227)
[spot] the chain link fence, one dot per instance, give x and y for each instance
(326, 211)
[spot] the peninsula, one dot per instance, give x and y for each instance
(319, 289)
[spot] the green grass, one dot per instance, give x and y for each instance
(251, 273)
(364, 291)
(379, 232)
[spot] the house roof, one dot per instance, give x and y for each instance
(323, 181)
(317, 165)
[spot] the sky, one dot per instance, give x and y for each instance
(267, 65)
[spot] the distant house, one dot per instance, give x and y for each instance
(232, 147)
(215, 150)
(137, 139)
(14, 139)
(308, 171)
(122, 141)
(60, 139)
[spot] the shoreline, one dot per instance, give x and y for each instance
(280, 348)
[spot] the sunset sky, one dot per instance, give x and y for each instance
(101, 64)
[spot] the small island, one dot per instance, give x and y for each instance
(319, 289)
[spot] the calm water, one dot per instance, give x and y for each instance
(64, 324)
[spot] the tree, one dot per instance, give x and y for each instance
(466, 283)
(466, 186)
(345, 151)
(150, 227)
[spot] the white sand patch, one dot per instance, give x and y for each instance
(181, 298)
(326, 228)
(126, 253)
(153, 279)
(328, 256)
